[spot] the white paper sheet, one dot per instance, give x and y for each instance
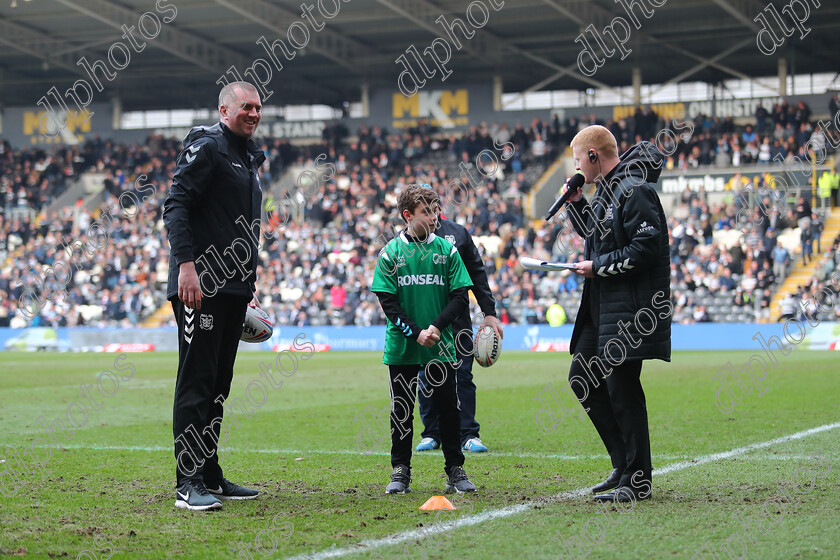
(536, 264)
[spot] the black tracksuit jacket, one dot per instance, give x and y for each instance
(459, 236)
(212, 213)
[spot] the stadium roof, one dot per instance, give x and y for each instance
(530, 44)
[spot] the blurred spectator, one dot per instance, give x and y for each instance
(700, 315)
(816, 231)
(803, 209)
(787, 307)
(555, 315)
(761, 116)
(834, 105)
(781, 260)
(827, 185)
(807, 308)
(806, 239)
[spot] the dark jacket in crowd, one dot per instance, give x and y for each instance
(212, 213)
(627, 241)
(459, 236)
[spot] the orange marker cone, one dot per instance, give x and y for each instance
(437, 502)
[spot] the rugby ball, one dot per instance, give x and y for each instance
(257, 326)
(487, 347)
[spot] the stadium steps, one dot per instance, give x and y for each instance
(547, 187)
(157, 318)
(802, 273)
(68, 199)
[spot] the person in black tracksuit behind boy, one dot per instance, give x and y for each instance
(463, 329)
(212, 216)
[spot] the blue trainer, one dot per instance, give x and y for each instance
(474, 445)
(428, 444)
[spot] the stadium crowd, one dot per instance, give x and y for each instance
(781, 133)
(316, 266)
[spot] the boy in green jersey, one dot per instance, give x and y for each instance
(422, 285)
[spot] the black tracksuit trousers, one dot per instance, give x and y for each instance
(617, 408)
(441, 381)
(208, 339)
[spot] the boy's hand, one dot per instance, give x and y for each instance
(428, 337)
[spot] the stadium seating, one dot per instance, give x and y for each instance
(318, 271)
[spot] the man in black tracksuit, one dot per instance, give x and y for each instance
(625, 312)
(212, 216)
(463, 330)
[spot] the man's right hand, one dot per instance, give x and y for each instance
(493, 322)
(575, 197)
(189, 290)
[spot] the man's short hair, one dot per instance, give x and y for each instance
(598, 137)
(414, 196)
(228, 97)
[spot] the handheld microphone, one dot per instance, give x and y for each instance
(574, 185)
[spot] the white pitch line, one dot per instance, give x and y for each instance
(303, 452)
(140, 384)
(414, 534)
(476, 456)
(740, 450)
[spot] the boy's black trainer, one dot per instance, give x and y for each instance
(458, 481)
(400, 480)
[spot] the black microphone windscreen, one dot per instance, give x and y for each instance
(576, 181)
(574, 184)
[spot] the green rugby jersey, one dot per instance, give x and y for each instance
(421, 275)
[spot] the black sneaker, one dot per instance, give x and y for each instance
(458, 481)
(400, 480)
(193, 495)
(227, 490)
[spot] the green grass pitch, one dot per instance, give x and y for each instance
(110, 491)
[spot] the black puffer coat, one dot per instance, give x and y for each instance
(627, 241)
